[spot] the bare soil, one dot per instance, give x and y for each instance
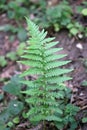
(77, 52)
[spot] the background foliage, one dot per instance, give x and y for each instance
(58, 16)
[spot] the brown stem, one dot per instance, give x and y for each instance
(44, 125)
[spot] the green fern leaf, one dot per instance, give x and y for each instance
(33, 51)
(32, 57)
(49, 45)
(58, 79)
(54, 118)
(37, 118)
(57, 72)
(45, 92)
(32, 63)
(47, 40)
(28, 83)
(56, 110)
(59, 95)
(55, 64)
(33, 71)
(54, 57)
(51, 51)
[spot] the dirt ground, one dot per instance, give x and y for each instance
(77, 53)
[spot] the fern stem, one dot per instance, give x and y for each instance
(44, 125)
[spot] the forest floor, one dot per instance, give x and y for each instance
(77, 53)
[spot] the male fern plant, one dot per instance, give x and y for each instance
(44, 93)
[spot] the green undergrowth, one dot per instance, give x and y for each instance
(60, 16)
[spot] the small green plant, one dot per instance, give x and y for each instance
(45, 95)
(84, 83)
(21, 33)
(11, 111)
(58, 16)
(75, 28)
(2, 5)
(84, 12)
(20, 49)
(81, 9)
(12, 56)
(15, 10)
(3, 61)
(84, 120)
(82, 15)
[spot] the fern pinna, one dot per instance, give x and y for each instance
(43, 93)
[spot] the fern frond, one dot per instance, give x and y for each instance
(38, 117)
(44, 93)
(42, 35)
(32, 92)
(57, 72)
(47, 40)
(52, 87)
(28, 83)
(54, 64)
(35, 33)
(56, 87)
(32, 57)
(51, 102)
(54, 57)
(54, 118)
(33, 63)
(56, 109)
(34, 29)
(58, 95)
(33, 100)
(58, 79)
(33, 71)
(33, 51)
(51, 51)
(33, 46)
(49, 45)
